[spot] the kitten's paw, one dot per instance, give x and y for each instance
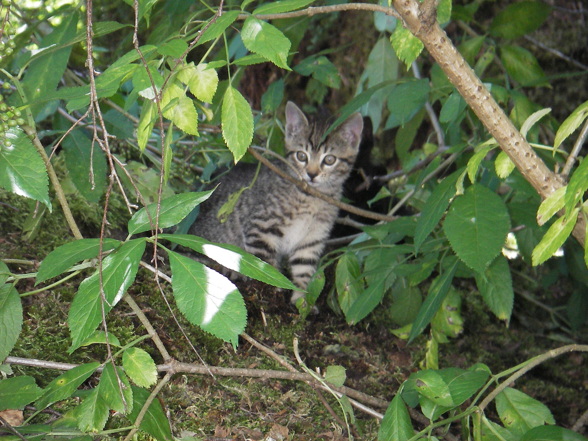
(298, 299)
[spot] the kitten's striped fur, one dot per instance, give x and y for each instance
(275, 220)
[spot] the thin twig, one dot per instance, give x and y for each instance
(557, 53)
(575, 151)
(12, 429)
(314, 10)
(527, 366)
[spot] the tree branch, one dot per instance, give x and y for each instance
(480, 100)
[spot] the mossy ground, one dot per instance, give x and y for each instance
(376, 361)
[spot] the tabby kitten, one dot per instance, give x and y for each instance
(274, 219)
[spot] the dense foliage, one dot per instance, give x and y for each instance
(138, 104)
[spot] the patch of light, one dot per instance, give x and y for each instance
(227, 258)
(510, 250)
(218, 288)
(559, 252)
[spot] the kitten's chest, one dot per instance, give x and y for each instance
(308, 223)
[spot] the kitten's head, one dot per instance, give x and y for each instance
(324, 164)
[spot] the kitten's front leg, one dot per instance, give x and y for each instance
(303, 264)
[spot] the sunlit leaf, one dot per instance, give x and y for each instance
(551, 205)
(555, 237)
(22, 170)
(201, 80)
(140, 367)
(237, 122)
(572, 122)
(407, 46)
(233, 258)
(266, 40)
(335, 375)
(281, 6)
(207, 299)
(522, 66)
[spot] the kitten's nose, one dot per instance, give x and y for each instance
(311, 176)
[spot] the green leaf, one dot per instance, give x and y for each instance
(154, 422)
(118, 272)
(405, 101)
(407, 46)
(453, 109)
(396, 424)
(518, 19)
(463, 384)
(237, 122)
(476, 225)
(532, 120)
(99, 337)
(93, 413)
(65, 256)
(335, 375)
(273, 96)
(233, 258)
(281, 6)
(266, 40)
(140, 367)
(437, 292)
(495, 285)
(84, 160)
(431, 384)
(434, 209)
(174, 48)
(572, 122)
(217, 28)
(66, 384)
(504, 165)
(146, 123)
(10, 319)
(201, 80)
(348, 280)
(179, 109)
(522, 66)
(173, 210)
(552, 433)
(555, 237)
(577, 186)
(382, 63)
(22, 170)
(474, 163)
(4, 274)
(321, 69)
(44, 73)
(17, 392)
(207, 299)
(519, 412)
(551, 205)
(366, 301)
(448, 321)
(115, 389)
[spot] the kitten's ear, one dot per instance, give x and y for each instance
(351, 129)
(295, 119)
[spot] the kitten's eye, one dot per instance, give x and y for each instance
(329, 160)
(301, 156)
